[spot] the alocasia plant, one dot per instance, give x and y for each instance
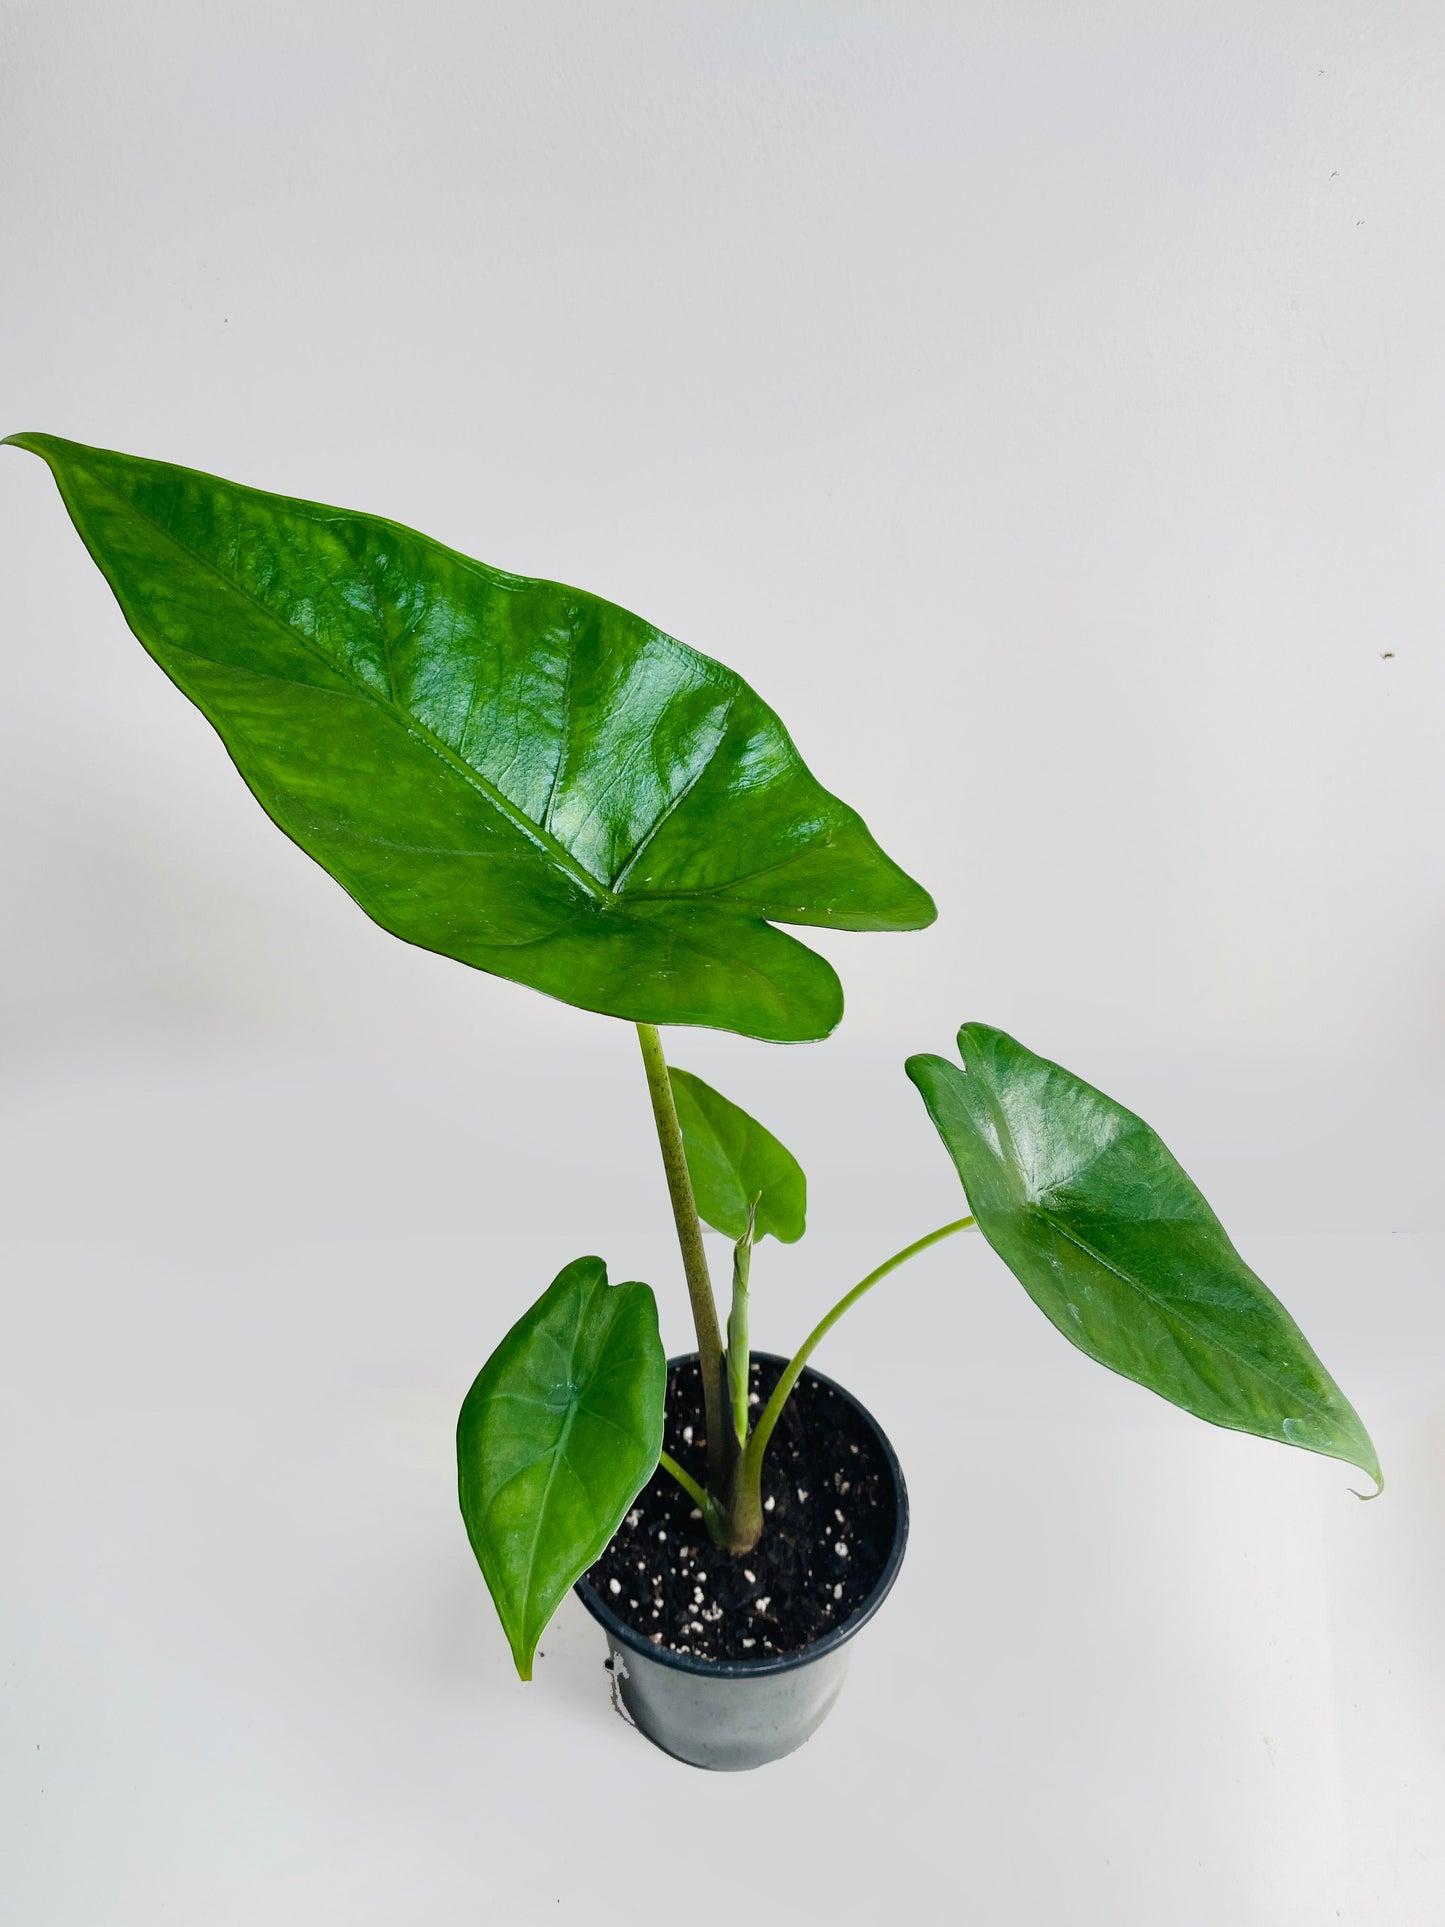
(528, 779)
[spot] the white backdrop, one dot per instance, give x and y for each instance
(1042, 407)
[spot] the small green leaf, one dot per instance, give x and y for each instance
(507, 771)
(731, 1160)
(556, 1438)
(1114, 1243)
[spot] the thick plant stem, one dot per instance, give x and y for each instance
(694, 1260)
(744, 1520)
(745, 1512)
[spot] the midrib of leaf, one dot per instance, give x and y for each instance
(546, 844)
(559, 1452)
(564, 735)
(676, 802)
(749, 876)
(1008, 1150)
(1171, 1313)
(605, 895)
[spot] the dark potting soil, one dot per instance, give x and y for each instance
(829, 1516)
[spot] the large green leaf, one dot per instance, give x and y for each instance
(556, 1438)
(1115, 1244)
(731, 1160)
(510, 772)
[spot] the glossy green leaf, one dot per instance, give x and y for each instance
(1114, 1243)
(731, 1160)
(511, 772)
(558, 1435)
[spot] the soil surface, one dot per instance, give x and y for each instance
(829, 1517)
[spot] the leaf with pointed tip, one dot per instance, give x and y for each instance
(1114, 1244)
(512, 773)
(558, 1435)
(731, 1160)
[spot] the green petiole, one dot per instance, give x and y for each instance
(750, 1471)
(738, 1329)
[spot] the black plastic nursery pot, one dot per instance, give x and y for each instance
(728, 1661)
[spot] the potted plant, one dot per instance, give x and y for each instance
(536, 783)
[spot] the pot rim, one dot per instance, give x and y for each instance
(829, 1642)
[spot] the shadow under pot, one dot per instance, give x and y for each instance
(731, 1660)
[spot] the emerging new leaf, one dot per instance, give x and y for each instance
(556, 1438)
(731, 1160)
(1114, 1244)
(510, 772)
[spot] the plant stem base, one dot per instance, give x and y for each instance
(728, 1662)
